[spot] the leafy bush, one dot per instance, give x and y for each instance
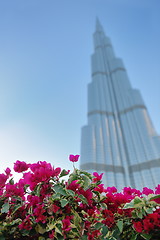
(43, 205)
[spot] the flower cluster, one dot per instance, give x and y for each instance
(43, 205)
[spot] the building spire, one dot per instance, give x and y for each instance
(98, 25)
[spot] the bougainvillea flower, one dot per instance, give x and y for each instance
(8, 172)
(33, 200)
(38, 213)
(74, 158)
(111, 189)
(157, 189)
(97, 176)
(151, 221)
(138, 226)
(73, 185)
(131, 191)
(147, 191)
(99, 188)
(56, 172)
(14, 190)
(87, 194)
(66, 224)
(3, 179)
(55, 208)
(20, 166)
(108, 218)
(26, 224)
(52, 234)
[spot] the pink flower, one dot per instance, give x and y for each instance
(147, 191)
(26, 224)
(87, 194)
(3, 179)
(73, 185)
(8, 172)
(131, 191)
(55, 208)
(157, 189)
(111, 189)
(151, 221)
(73, 158)
(52, 234)
(99, 188)
(14, 190)
(38, 213)
(33, 200)
(56, 171)
(20, 166)
(108, 218)
(97, 176)
(66, 224)
(138, 226)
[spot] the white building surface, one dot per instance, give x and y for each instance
(119, 139)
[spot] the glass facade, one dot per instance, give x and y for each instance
(119, 138)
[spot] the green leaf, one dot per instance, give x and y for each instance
(72, 178)
(138, 200)
(86, 182)
(56, 196)
(11, 181)
(58, 229)
(40, 229)
(64, 202)
(129, 205)
(2, 237)
(103, 205)
(63, 173)
(60, 189)
(120, 225)
(134, 236)
(41, 238)
(77, 218)
(86, 173)
(140, 215)
(60, 237)
(5, 207)
(149, 210)
(146, 236)
(155, 197)
(16, 208)
(104, 230)
(84, 237)
(116, 233)
(134, 214)
(50, 226)
(38, 189)
(70, 192)
(83, 199)
(98, 225)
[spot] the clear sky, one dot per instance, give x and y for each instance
(45, 49)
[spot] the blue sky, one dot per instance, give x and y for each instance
(45, 49)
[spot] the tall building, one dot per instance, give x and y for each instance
(119, 139)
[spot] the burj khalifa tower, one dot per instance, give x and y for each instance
(119, 139)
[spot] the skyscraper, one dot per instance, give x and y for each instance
(119, 139)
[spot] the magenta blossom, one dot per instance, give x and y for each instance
(20, 166)
(73, 158)
(8, 172)
(147, 191)
(66, 224)
(97, 177)
(3, 179)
